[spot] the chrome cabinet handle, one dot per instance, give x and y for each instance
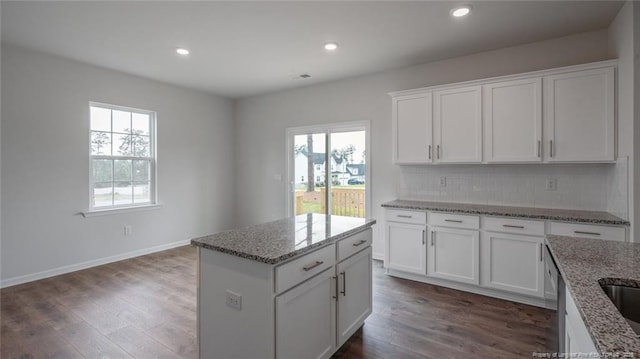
(424, 234)
(311, 266)
(433, 237)
(429, 151)
(591, 233)
(550, 148)
(404, 216)
(541, 252)
(453, 220)
(344, 284)
(362, 241)
(539, 149)
(512, 226)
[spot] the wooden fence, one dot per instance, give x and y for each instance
(348, 202)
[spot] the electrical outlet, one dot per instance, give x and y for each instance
(234, 300)
(128, 230)
(443, 181)
(552, 184)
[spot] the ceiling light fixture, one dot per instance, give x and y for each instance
(331, 46)
(182, 51)
(461, 11)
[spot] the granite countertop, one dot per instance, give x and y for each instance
(279, 240)
(509, 211)
(584, 265)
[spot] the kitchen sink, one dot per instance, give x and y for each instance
(627, 300)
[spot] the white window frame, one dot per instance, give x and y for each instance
(153, 159)
(327, 129)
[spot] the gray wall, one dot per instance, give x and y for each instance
(621, 47)
(260, 121)
(45, 165)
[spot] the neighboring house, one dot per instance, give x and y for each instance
(357, 171)
(339, 168)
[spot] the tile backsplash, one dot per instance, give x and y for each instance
(600, 187)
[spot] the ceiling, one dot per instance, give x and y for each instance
(241, 48)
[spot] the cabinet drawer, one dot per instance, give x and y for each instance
(353, 244)
(305, 267)
(398, 215)
(587, 231)
(508, 225)
(454, 220)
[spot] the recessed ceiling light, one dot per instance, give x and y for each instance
(461, 11)
(331, 46)
(182, 51)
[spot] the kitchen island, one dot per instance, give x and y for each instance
(586, 265)
(293, 288)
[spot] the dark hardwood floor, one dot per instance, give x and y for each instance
(145, 307)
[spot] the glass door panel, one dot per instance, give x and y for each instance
(310, 155)
(348, 173)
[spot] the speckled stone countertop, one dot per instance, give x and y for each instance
(569, 215)
(279, 240)
(584, 264)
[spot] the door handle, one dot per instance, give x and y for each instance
(424, 235)
(453, 220)
(344, 284)
(336, 296)
(539, 149)
(433, 237)
(438, 151)
(541, 255)
(550, 148)
(429, 151)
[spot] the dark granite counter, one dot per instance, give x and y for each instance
(569, 215)
(584, 265)
(279, 240)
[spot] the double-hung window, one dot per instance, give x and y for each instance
(123, 157)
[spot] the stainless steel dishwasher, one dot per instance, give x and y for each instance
(554, 295)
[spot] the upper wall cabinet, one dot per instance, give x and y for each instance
(579, 116)
(557, 115)
(457, 125)
(513, 121)
(412, 128)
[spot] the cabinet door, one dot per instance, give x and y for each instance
(354, 295)
(458, 125)
(579, 116)
(412, 126)
(305, 319)
(513, 121)
(405, 247)
(453, 254)
(513, 263)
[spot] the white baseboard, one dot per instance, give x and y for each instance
(88, 264)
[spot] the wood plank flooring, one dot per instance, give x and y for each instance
(145, 307)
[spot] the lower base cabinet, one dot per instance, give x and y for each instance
(354, 294)
(512, 263)
(577, 340)
(452, 254)
(305, 319)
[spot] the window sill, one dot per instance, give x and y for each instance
(104, 212)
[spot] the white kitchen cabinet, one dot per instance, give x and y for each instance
(412, 129)
(579, 112)
(513, 121)
(305, 319)
(457, 125)
(453, 254)
(513, 263)
(354, 294)
(578, 343)
(406, 247)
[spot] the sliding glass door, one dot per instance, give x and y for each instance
(328, 170)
